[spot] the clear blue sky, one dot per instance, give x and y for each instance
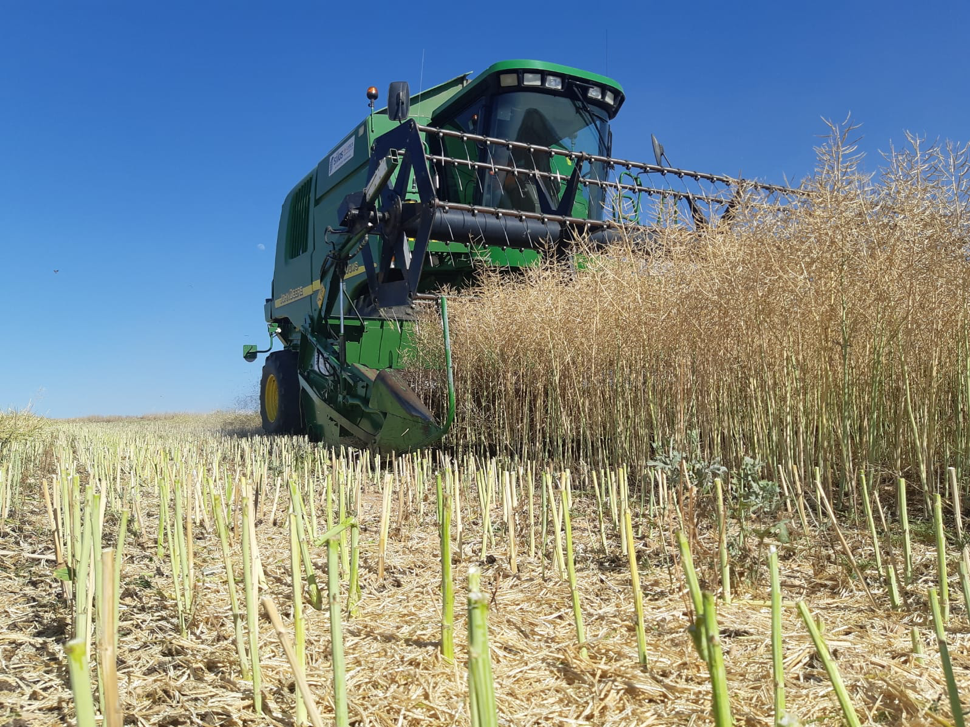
(145, 148)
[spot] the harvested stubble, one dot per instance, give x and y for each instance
(395, 673)
(834, 331)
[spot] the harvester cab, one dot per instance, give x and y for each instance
(498, 170)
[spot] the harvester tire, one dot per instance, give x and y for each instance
(279, 394)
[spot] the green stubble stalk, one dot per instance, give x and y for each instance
(252, 615)
(777, 655)
(637, 593)
(316, 598)
(231, 580)
(77, 665)
(447, 584)
(724, 562)
(299, 626)
(941, 557)
(848, 711)
(571, 566)
(694, 589)
(481, 686)
(904, 522)
(116, 574)
(336, 631)
(951, 685)
(715, 663)
(870, 521)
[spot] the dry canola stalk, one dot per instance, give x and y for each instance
(385, 524)
(299, 674)
(509, 507)
(107, 638)
(848, 711)
(316, 598)
(353, 586)
(484, 500)
(116, 573)
(183, 554)
(331, 538)
(342, 516)
(570, 562)
(777, 653)
(622, 506)
(904, 522)
(532, 531)
(556, 513)
(599, 511)
(231, 580)
(637, 593)
(447, 582)
(250, 584)
(299, 623)
(871, 523)
(481, 686)
(838, 532)
(963, 564)
(82, 605)
(941, 557)
(951, 686)
(722, 551)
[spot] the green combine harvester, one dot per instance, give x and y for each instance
(497, 170)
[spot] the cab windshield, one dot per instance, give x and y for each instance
(556, 122)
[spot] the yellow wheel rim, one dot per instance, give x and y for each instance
(272, 398)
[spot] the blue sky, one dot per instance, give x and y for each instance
(145, 148)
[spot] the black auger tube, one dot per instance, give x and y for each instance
(506, 231)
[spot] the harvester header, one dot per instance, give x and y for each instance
(497, 171)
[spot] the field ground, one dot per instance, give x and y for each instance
(396, 675)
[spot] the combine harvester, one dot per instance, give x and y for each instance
(496, 170)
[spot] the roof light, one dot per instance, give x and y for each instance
(554, 82)
(508, 79)
(531, 79)
(609, 98)
(594, 92)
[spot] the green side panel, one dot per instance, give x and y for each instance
(353, 343)
(370, 345)
(390, 345)
(378, 344)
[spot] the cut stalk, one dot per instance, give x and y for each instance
(637, 593)
(481, 686)
(848, 711)
(777, 654)
(571, 566)
(941, 557)
(951, 685)
(249, 582)
(722, 543)
(222, 528)
(447, 584)
(77, 665)
(299, 626)
(719, 687)
(385, 524)
(107, 636)
(299, 675)
(904, 522)
(870, 521)
(917, 642)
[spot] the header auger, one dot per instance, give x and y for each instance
(496, 171)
